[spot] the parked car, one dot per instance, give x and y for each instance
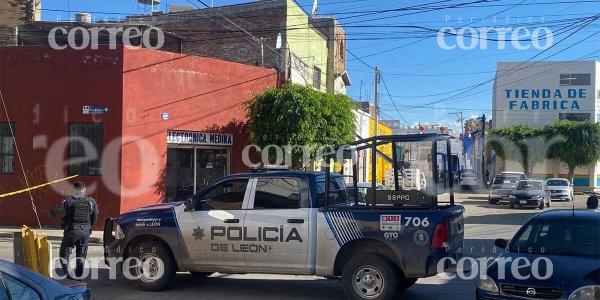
(521, 175)
(570, 239)
(469, 180)
(560, 189)
(530, 193)
(501, 187)
(22, 283)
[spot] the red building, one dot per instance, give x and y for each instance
(138, 126)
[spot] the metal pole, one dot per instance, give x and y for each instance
(262, 52)
(459, 115)
(374, 141)
(395, 159)
(375, 129)
(483, 168)
(450, 173)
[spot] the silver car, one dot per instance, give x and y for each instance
(560, 189)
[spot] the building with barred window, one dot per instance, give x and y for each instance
(138, 126)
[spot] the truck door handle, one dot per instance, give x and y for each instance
(295, 221)
(231, 220)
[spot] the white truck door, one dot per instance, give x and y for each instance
(277, 222)
(213, 232)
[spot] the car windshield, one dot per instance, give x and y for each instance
(529, 186)
(506, 180)
(468, 175)
(558, 183)
(559, 237)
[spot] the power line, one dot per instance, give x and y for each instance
(394, 103)
(514, 69)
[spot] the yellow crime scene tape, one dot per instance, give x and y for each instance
(36, 187)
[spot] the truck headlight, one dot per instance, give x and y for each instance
(488, 285)
(493, 191)
(590, 292)
(119, 235)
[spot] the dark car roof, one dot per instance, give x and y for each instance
(29, 276)
(563, 214)
(317, 175)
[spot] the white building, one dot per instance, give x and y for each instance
(538, 93)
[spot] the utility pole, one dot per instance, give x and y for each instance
(377, 76)
(483, 168)
(374, 143)
(459, 115)
(262, 52)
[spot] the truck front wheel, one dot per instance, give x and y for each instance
(407, 283)
(153, 267)
(370, 276)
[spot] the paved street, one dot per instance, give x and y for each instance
(483, 224)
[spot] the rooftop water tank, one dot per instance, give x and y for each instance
(83, 17)
(149, 2)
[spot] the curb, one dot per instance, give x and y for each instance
(53, 238)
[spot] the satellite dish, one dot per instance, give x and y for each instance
(278, 43)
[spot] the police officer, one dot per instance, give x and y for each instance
(80, 213)
(592, 202)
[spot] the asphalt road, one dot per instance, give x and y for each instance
(483, 224)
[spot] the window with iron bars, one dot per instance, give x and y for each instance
(84, 139)
(7, 148)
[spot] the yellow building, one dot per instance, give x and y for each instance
(382, 164)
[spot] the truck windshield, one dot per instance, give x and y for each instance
(506, 180)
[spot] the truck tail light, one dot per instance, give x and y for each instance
(440, 236)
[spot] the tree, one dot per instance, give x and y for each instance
(474, 123)
(296, 115)
(580, 144)
(519, 143)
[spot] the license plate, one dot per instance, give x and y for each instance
(523, 202)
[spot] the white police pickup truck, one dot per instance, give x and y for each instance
(290, 223)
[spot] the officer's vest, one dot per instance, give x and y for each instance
(80, 212)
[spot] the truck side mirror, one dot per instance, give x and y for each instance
(189, 204)
(501, 243)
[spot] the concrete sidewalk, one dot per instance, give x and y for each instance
(51, 234)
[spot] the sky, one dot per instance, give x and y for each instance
(423, 80)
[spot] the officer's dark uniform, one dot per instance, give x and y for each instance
(81, 213)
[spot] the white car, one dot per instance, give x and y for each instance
(469, 180)
(560, 189)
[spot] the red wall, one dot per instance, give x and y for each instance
(200, 94)
(44, 90)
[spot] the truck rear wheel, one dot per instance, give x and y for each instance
(370, 276)
(153, 268)
(201, 274)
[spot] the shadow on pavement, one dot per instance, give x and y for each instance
(235, 287)
(515, 218)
